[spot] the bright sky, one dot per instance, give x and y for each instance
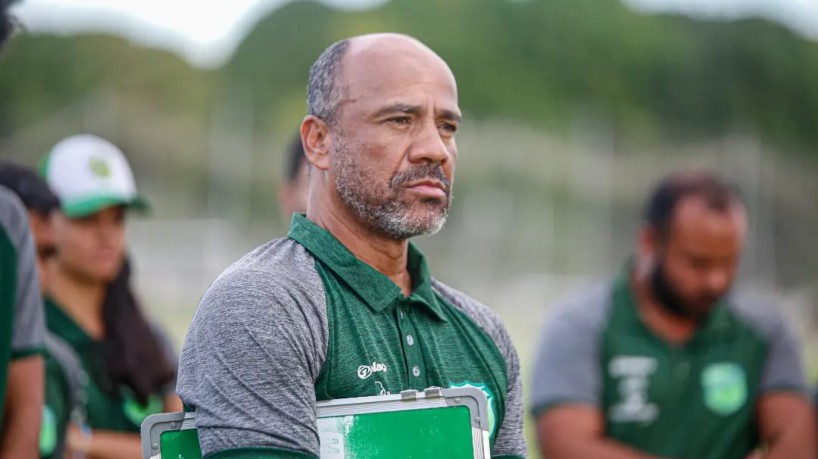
(205, 32)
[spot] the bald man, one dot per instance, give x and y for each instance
(346, 306)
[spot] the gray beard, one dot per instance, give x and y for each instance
(379, 209)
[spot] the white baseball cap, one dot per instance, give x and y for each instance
(88, 174)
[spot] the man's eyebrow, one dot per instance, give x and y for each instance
(410, 109)
(399, 107)
(451, 115)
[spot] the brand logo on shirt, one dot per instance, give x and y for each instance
(382, 390)
(725, 387)
(633, 380)
(365, 371)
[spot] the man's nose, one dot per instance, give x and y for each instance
(429, 146)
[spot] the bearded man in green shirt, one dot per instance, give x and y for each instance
(346, 306)
(661, 361)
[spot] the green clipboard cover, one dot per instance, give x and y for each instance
(433, 423)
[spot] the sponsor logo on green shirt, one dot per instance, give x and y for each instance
(725, 387)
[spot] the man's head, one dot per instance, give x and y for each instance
(692, 237)
(41, 204)
(292, 195)
(380, 134)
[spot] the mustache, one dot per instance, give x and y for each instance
(417, 173)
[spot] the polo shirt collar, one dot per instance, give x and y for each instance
(375, 289)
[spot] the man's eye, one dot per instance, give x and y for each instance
(449, 127)
(400, 120)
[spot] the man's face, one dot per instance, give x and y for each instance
(43, 232)
(697, 261)
(393, 146)
(92, 248)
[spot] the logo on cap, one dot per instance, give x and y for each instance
(99, 167)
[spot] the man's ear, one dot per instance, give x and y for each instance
(648, 241)
(316, 141)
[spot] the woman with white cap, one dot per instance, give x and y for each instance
(89, 304)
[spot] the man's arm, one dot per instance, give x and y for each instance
(786, 419)
(787, 426)
(578, 432)
(509, 440)
(23, 408)
(567, 382)
(24, 393)
(250, 360)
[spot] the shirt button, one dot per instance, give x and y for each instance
(416, 371)
(410, 340)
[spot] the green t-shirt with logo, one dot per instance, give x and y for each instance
(302, 319)
(106, 407)
(696, 400)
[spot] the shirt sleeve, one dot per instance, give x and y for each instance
(784, 369)
(567, 362)
(249, 363)
(509, 441)
(28, 330)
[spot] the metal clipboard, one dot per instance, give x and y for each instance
(433, 423)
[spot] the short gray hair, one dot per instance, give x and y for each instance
(324, 92)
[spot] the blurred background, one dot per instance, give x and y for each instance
(573, 109)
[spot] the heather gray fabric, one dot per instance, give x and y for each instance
(509, 440)
(253, 351)
(28, 332)
(571, 342)
(784, 369)
(258, 341)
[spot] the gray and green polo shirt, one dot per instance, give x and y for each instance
(21, 309)
(302, 319)
(596, 350)
(106, 407)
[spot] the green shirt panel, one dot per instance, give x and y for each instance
(382, 342)
(691, 401)
(8, 289)
(108, 408)
(57, 409)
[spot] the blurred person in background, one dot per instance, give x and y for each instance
(129, 362)
(62, 365)
(22, 328)
(22, 331)
(41, 204)
(292, 195)
(291, 323)
(661, 362)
